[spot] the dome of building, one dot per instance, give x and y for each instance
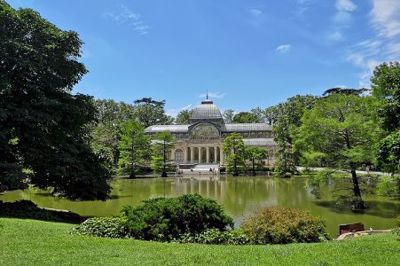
(205, 111)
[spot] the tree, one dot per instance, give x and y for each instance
(134, 147)
(235, 154)
(346, 91)
(386, 87)
(271, 114)
(386, 80)
(343, 130)
(255, 155)
(183, 117)
(43, 127)
(246, 117)
(163, 143)
(286, 118)
(228, 115)
(151, 112)
(259, 113)
(106, 130)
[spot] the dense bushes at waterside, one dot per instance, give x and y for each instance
(278, 225)
(193, 219)
(162, 219)
(166, 219)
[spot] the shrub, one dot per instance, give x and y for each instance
(216, 237)
(389, 186)
(278, 225)
(114, 227)
(396, 231)
(165, 219)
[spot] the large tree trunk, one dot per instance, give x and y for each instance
(358, 203)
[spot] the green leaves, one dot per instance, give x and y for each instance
(134, 146)
(38, 68)
(235, 153)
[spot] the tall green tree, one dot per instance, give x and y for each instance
(343, 130)
(105, 132)
(287, 120)
(183, 117)
(246, 117)
(386, 87)
(150, 112)
(271, 114)
(235, 153)
(162, 143)
(43, 127)
(255, 155)
(134, 147)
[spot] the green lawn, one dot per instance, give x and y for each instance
(28, 242)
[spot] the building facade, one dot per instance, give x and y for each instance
(201, 141)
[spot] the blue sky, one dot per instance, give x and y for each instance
(245, 53)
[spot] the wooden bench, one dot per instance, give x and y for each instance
(350, 228)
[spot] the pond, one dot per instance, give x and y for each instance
(240, 197)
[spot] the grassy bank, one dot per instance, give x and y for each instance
(28, 242)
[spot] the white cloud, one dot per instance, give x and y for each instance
(385, 46)
(283, 48)
(215, 95)
(345, 5)
(341, 20)
(302, 6)
(385, 16)
(334, 36)
(256, 12)
(125, 16)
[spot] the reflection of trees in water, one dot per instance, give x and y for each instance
(240, 197)
(384, 209)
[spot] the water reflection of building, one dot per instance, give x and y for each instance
(201, 141)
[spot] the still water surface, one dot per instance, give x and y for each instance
(240, 197)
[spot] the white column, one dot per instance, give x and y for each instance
(215, 154)
(192, 154)
(207, 154)
(221, 154)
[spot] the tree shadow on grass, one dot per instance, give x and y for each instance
(375, 208)
(25, 209)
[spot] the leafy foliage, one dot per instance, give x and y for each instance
(216, 237)
(166, 219)
(341, 131)
(134, 147)
(286, 118)
(43, 127)
(113, 227)
(162, 144)
(235, 153)
(183, 117)
(282, 226)
(255, 155)
(151, 112)
(105, 132)
(389, 186)
(246, 117)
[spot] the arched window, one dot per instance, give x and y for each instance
(179, 156)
